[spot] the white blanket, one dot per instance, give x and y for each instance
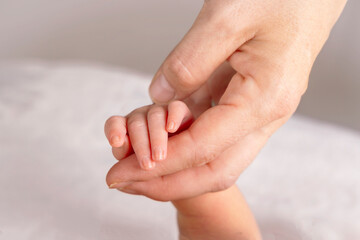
(54, 157)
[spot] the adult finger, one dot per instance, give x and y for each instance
(242, 109)
(192, 148)
(178, 150)
(158, 135)
(115, 130)
(217, 175)
(187, 149)
(139, 137)
(209, 42)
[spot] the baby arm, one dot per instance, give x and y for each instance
(218, 215)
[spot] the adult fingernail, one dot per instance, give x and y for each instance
(146, 163)
(160, 90)
(130, 191)
(119, 185)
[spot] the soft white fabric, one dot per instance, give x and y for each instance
(54, 158)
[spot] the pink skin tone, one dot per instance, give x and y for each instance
(145, 132)
(253, 58)
(253, 61)
(219, 215)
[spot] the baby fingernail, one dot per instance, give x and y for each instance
(115, 140)
(171, 126)
(147, 163)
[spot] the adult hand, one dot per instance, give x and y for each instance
(270, 47)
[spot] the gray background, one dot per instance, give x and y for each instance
(139, 35)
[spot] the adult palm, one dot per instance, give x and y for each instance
(254, 58)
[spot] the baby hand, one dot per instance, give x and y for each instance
(145, 131)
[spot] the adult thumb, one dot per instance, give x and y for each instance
(210, 41)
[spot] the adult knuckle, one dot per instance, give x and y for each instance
(226, 178)
(179, 70)
(280, 100)
(285, 103)
(203, 157)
